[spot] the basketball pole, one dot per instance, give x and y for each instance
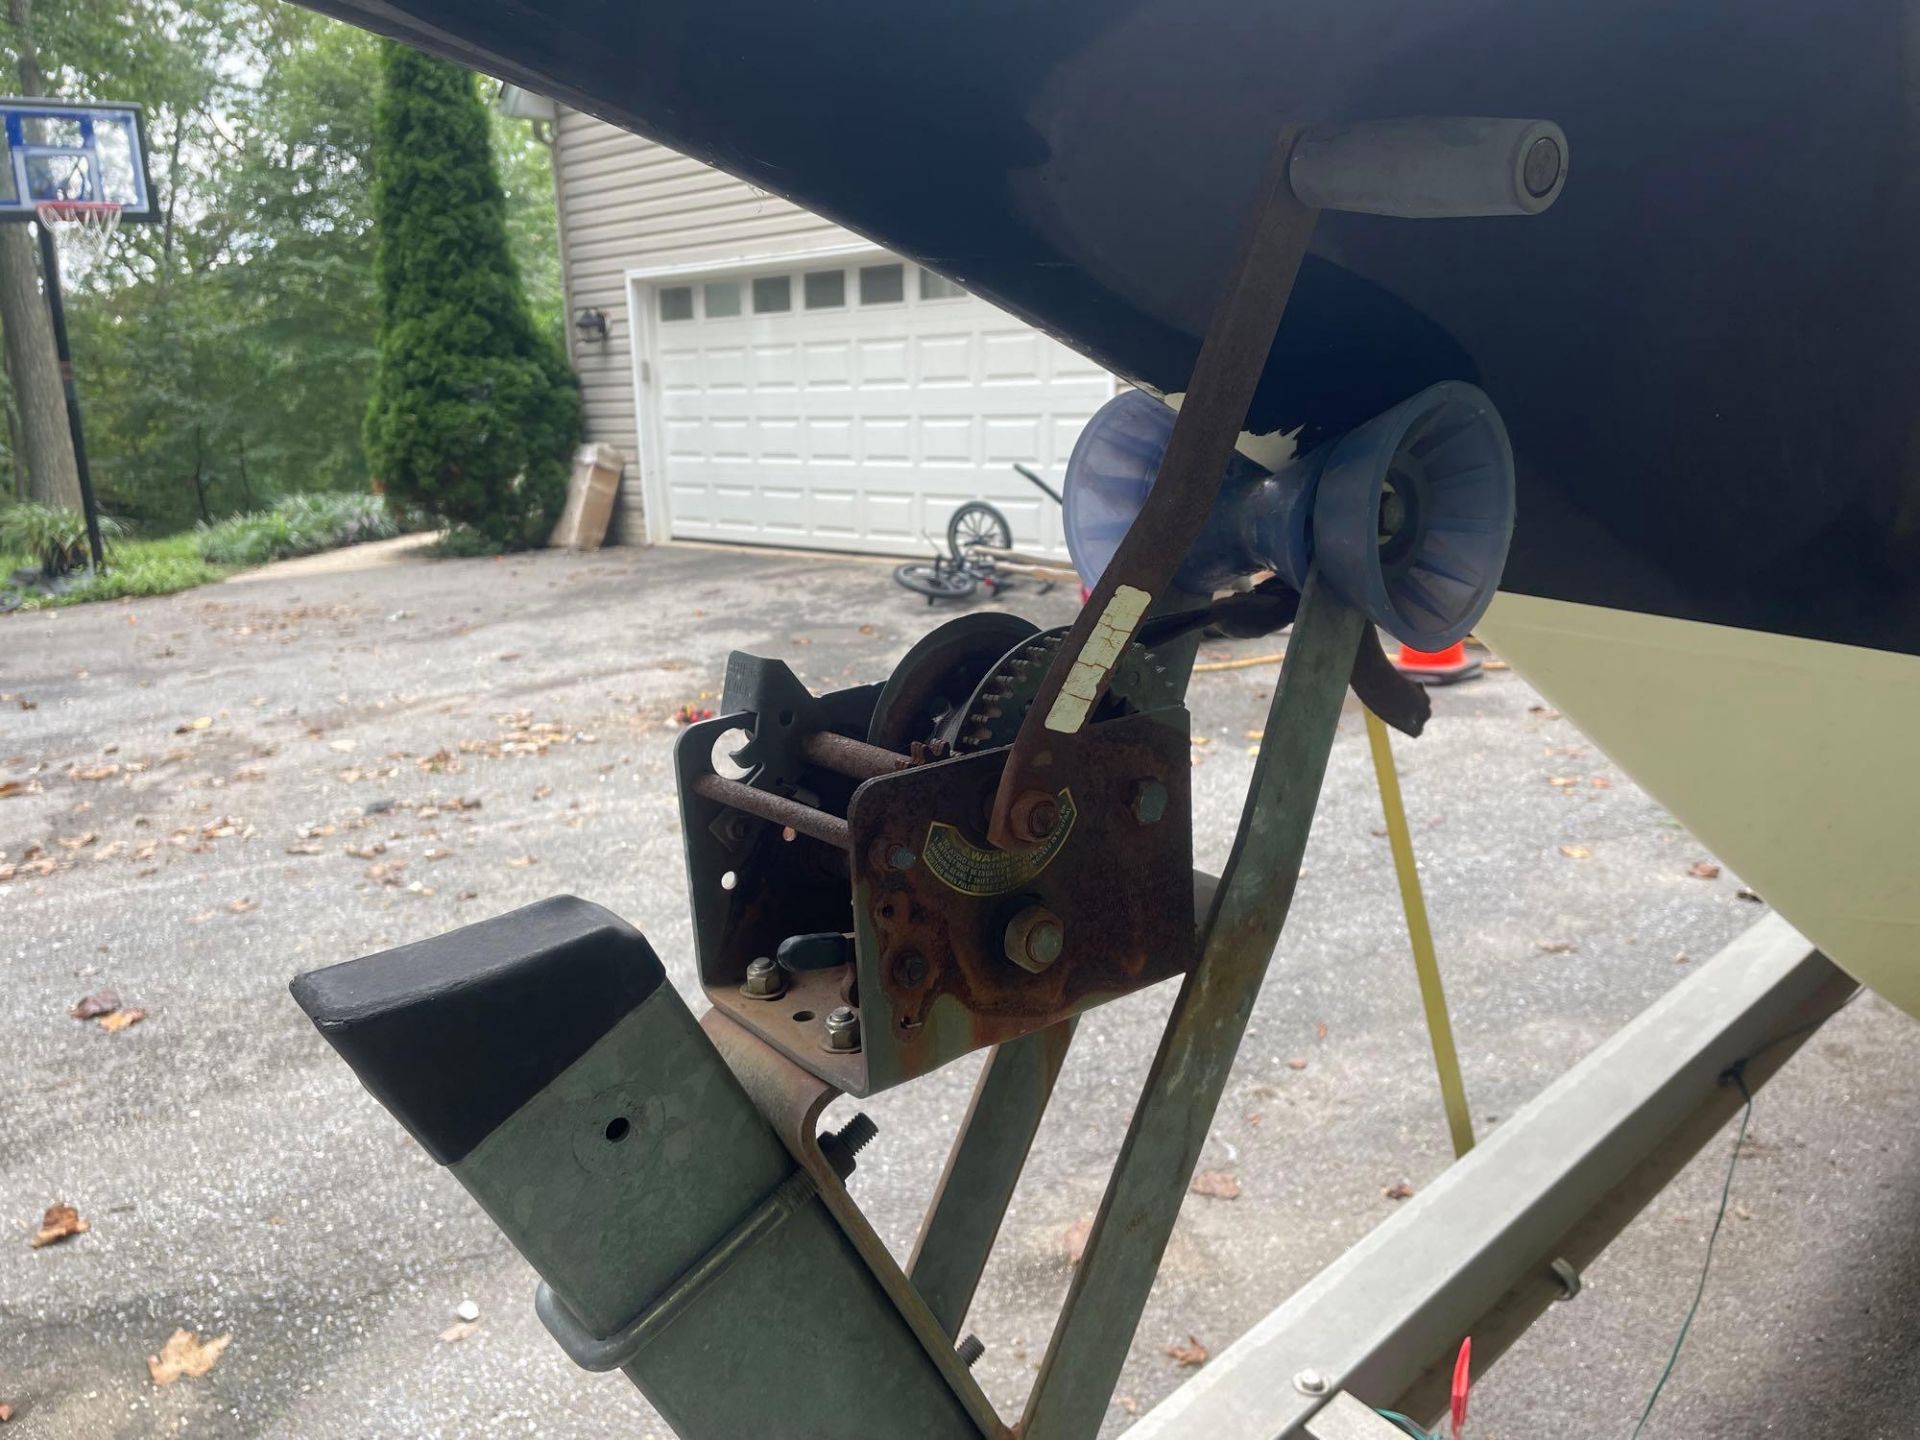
(63, 351)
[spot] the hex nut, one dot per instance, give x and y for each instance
(1034, 938)
(843, 1029)
(765, 979)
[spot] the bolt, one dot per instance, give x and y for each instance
(843, 1028)
(765, 979)
(1540, 171)
(1149, 801)
(970, 1350)
(900, 857)
(910, 970)
(1311, 1382)
(840, 1146)
(1035, 938)
(1568, 1277)
(1034, 815)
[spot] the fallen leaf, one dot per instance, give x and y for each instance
(187, 727)
(1320, 1031)
(1576, 852)
(1562, 782)
(343, 746)
(437, 853)
(1491, 664)
(1543, 711)
(1747, 892)
(1555, 947)
(1296, 1064)
(242, 905)
(1399, 1190)
(1704, 870)
(367, 852)
(305, 847)
(1256, 734)
(1600, 782)
(90, 1007)
(1074, 1240)
(61, 1222)
(14, 787)
(540, 792)
(869, 629)
(1190, 1356)
(120, 1020)
(6, 1413)
(458, 1331)
(1682, 958)
(201, 918)
(77, 842)
(1216, 1185)
(520, 862)
(1127, 1403)
(94, 772)
(184, 1354)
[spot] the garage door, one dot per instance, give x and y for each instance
(852, 405)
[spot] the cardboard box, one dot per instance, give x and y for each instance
(591, 491)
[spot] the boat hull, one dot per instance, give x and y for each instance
(1705, 351)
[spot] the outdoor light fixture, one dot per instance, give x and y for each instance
(592, 324)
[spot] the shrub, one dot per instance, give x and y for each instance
(474, 412)
(297, 525)
(51, 537)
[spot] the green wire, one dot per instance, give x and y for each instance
(1738, 1077)
(1412, 1427)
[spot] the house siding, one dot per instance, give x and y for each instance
(626, 203)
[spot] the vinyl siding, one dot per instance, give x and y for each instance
(627, 203)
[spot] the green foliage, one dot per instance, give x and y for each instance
(474, 412)
(137, 567)
(225, 354)
(297, 525)
(50, 536)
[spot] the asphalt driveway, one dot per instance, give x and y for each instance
(222, 788)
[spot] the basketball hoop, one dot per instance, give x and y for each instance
(89, 225)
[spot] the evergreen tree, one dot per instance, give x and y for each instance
(474, 412)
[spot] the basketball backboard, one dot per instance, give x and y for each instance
(79, 153)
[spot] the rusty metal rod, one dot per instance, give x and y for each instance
(803, 819)
(854, 759)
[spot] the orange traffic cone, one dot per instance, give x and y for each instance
(1436, 667)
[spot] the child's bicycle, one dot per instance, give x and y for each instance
(978, 538)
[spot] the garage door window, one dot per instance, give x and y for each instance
(938, 287)
(883, 285)
(722, 298)
(676, 302)
(825, 289)
(772, 294)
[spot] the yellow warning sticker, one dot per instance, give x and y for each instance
(1099, 655)
(972, 869)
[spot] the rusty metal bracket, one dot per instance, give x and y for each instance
(1224, 378)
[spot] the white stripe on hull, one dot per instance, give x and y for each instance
(1793, 760)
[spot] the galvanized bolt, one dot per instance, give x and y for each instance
(901, 857)
(765, 979)
(1149, 803)
(843, 1028)
(970, 1350)
(1568, 1277)
(1311, 1382)
(1035, 815)
(910, 970)
(1034, 939)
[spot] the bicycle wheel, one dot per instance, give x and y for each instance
(977, 523)
(937, 581)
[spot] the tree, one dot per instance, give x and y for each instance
(33, 370)
(474, 412)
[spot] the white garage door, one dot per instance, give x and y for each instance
(851, 405)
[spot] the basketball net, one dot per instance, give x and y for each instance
(87, 225)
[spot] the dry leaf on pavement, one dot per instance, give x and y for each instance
(6, 1413)
(1576, 852)
(1296, 1064)
(183, 1354)
(59, 1223)
(242, 905)
(1704, 870)
(520, 862)
(120, 1020)
(1216, 1185)
(187, 727)
(1399, 1190)
(1555, 947)
(101, 1002)
(1191, 1355)
(457, 1331)
(1075, 1239)
(540, 792)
